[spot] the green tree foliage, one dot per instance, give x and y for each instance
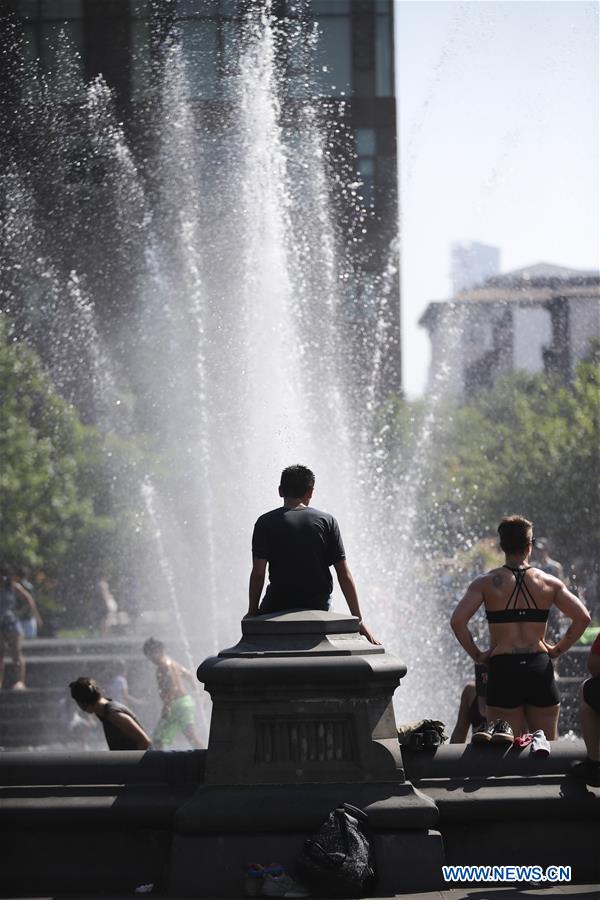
(531, 445)
(41, 445)
(67, 504)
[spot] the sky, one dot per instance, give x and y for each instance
(498, 143)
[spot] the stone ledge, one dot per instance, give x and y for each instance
(137, 806)
(300, 621)
(489, 760)
(320, 670)
(302, 807)
(508, 800)
(102, 767)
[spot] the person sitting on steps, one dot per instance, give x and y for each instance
(472, 712)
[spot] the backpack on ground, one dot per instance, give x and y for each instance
(338, 860)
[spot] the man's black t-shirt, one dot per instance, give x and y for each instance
(300, 544)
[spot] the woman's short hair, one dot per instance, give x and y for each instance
(85, 690)
(516, 533)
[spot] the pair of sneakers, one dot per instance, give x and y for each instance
(500, 732)
(497, 732)
(271, 881)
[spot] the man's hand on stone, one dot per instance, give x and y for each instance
(365, 631)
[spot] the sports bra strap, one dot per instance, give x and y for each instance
(520, 588)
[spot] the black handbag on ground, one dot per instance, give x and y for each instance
(338, 861)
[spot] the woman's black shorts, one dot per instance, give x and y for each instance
(521, 679)
(591, 692)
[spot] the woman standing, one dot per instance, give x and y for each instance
(521, 689)
(11, 594)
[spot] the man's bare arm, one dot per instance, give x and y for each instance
(346, 582)
(462, 615)
(257, 580)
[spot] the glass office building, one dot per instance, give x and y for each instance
(350, 67)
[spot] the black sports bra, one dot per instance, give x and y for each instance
(528, 613)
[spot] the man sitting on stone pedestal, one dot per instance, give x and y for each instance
(300, 544)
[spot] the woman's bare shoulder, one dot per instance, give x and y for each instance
(495, 577)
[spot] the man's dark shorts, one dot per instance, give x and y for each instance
(591, 692)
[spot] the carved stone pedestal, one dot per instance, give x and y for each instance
(302, 722)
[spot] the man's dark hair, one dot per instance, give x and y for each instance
(85, 690)
(152, 644)
(515, 533)
(296, 481)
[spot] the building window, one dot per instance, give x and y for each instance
(53, 34)
(141, 69)
(50, 9)
(333, 57)
(200, 46)
(366, 152)
(325, 69)
(197, 8)
(299, 61)
(330, 7)
(384, 65)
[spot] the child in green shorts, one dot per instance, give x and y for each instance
(178, 706)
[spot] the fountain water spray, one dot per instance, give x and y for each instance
(225, 293)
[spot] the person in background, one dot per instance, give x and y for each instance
(543, 561)
(522, 695)
(11, 594)
(106, 606)
(78, 728)
(299, 544)
(178, 710)
(118, 686)
(28, 619)
(472, 712)
(122, 729)
(589, 716)
(556, 622)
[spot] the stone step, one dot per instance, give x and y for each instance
(113, 645)
(39, 715)
(44, 734)
(9, 698)
(57, 670)
(40, 712)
